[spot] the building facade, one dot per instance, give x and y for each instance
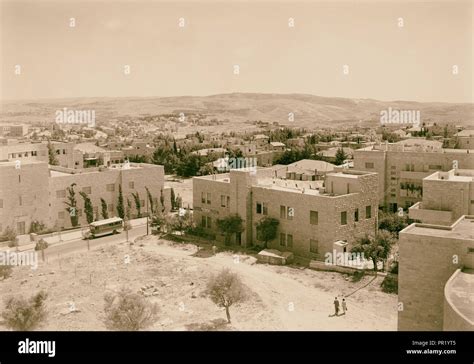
(436, 256)
(312, 214)
(38, 192)
(402, 167)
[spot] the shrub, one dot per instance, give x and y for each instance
(358, 275)
(390, 284)
(23, 314)
(5, 271)
(127, 311)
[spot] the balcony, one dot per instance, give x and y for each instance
(429, 216)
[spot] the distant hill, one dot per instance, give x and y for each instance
(309, 110)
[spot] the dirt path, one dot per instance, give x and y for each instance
(296, 305)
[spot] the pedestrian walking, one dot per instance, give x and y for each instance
(344, 306)
(336, 306)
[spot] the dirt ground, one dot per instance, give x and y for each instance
(174, 276)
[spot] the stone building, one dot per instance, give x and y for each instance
(38, 192)
(312, 214)
(436, 256)
(402, 166)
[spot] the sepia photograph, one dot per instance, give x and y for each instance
(236, 175)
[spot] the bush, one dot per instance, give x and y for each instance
(394, 267)
(37, 227)
(25, 314)
(358, 275)
(5, 271)
(10, 236)
(390, 284)
(127, 311)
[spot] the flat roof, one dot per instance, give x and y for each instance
(459, 292)
(463, 228)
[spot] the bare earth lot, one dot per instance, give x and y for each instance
(280, 298)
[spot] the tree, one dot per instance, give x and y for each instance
(120, 207)
(173, 200)
(71, 204)
(88, 208)
(105, 213)
(25, 314)
(138, 204)
(226, 289)
(341, 156)
(189, 165)
(41, 246)
(230, 225)
(182, 223)
(151, 203)
(128, 311)
(377, 248)
(393, 222)
(52, 155)
(267, 230)
(162, 201)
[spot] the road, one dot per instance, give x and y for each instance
(80, 245)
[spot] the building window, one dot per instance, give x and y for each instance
(313, 217)
(286, 240)
(87, 190)
(435, 167)
(131, 185)
(203, 197)
(356, 215)
(369, 165)
(206, 222)
(287, 212)
(34, 153)
(224, 201)
(313, 246)
(282, 212)
(20, 200)
(259, 208)
(208, 198)
(368, 212)
(20, 228)
(282, 239)
(344, 218)
(110, 187)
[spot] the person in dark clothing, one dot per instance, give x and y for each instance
(336, 306)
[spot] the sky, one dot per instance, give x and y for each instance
(353, 49)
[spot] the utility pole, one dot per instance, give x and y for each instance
(147, 214)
